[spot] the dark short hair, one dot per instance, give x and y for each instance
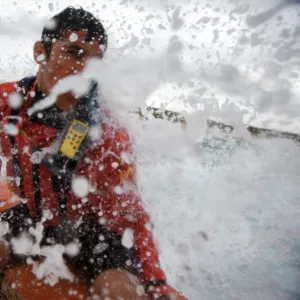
(73, 19)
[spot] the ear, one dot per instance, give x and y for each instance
(39, 53)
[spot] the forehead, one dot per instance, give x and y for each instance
(78, 39)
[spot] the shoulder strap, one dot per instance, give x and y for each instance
(26, 84)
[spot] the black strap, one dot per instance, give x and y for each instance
(25, 84)
(37, 190)
(61, 184)
(16, 164)
(18, 172)
(62, 202)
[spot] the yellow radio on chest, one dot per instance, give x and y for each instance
(74, 137)
(74, 140)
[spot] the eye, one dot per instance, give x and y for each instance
(76, 53)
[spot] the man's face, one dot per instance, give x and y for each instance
(68, 56)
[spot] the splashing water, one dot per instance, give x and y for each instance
(226, 221)
(226, 210)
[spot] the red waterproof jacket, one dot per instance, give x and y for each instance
(108, 165)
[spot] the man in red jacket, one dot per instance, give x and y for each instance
(116, 249)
